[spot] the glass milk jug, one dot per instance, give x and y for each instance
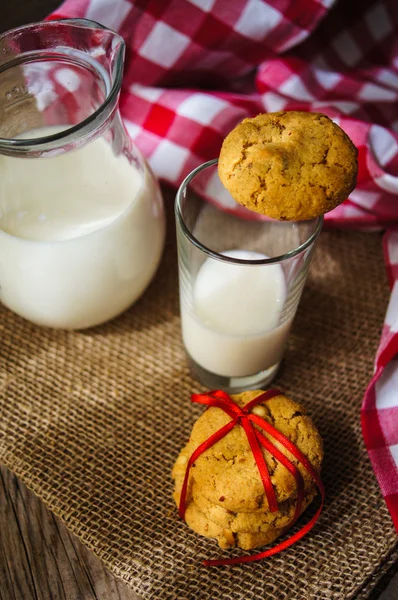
(81, 216)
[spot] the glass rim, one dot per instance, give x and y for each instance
(41, 144)
(318, 221)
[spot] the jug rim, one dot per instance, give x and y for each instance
(40, 145)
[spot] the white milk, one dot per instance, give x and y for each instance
(232, 328)
(81, 235)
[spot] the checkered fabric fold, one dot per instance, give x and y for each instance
(195, 68)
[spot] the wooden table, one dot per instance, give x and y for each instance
(39, 558)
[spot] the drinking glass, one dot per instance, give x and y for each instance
(240, 278)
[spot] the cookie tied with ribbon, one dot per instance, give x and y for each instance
(249, 470)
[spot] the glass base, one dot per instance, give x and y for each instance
(233, 385)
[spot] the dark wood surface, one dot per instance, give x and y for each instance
(39, 558)
(391, 592)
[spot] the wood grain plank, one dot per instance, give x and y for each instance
(391, 592)
(40, 559)
(17, 580)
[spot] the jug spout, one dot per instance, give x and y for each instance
(65, 73)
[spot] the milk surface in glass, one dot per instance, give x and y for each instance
(231, 325)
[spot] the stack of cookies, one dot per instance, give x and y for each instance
(225, 498)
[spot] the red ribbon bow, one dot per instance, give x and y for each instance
(246, 419)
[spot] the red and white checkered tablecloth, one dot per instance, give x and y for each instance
(195, 68)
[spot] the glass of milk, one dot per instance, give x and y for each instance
(82, 225)
(241, 278)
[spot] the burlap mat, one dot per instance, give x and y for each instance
(92, 422)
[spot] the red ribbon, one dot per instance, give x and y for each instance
(257, 440)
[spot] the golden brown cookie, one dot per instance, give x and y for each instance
(288, 165)
(227, 474)
(256, 520)
(199, 523)
(250, 522)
